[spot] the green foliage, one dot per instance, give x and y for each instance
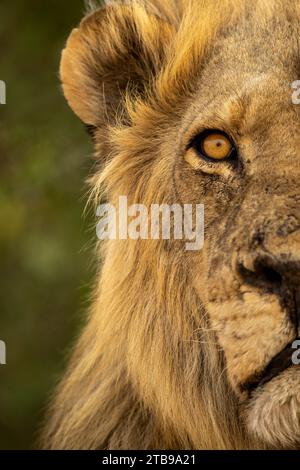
(44, 240)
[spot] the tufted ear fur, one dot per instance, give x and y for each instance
(116, 49)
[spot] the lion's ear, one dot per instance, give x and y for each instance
(116, 49)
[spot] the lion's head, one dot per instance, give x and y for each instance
(190, 101)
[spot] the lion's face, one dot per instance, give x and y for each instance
(150, 86)
(249, 270)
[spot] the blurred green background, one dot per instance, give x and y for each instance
(45, 242)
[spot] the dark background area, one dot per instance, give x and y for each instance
(45, 242)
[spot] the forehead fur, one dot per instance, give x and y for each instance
(196, 25)
(158, 46)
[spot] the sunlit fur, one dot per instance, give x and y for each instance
(147, 371)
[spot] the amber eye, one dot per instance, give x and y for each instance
(214, 145)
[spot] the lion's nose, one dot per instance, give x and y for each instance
(277, 274)
(263, 271)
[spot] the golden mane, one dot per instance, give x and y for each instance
(147, 371)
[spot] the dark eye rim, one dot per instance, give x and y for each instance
(196, 144)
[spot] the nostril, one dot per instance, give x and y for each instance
(269, 275)
(263, 275)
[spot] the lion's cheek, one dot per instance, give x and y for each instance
(251, 332)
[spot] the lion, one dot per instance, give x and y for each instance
(189, 101)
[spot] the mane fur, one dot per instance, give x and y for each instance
(147, 371)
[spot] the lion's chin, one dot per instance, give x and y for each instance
(273, 412)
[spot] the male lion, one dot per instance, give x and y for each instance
(190, 101)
